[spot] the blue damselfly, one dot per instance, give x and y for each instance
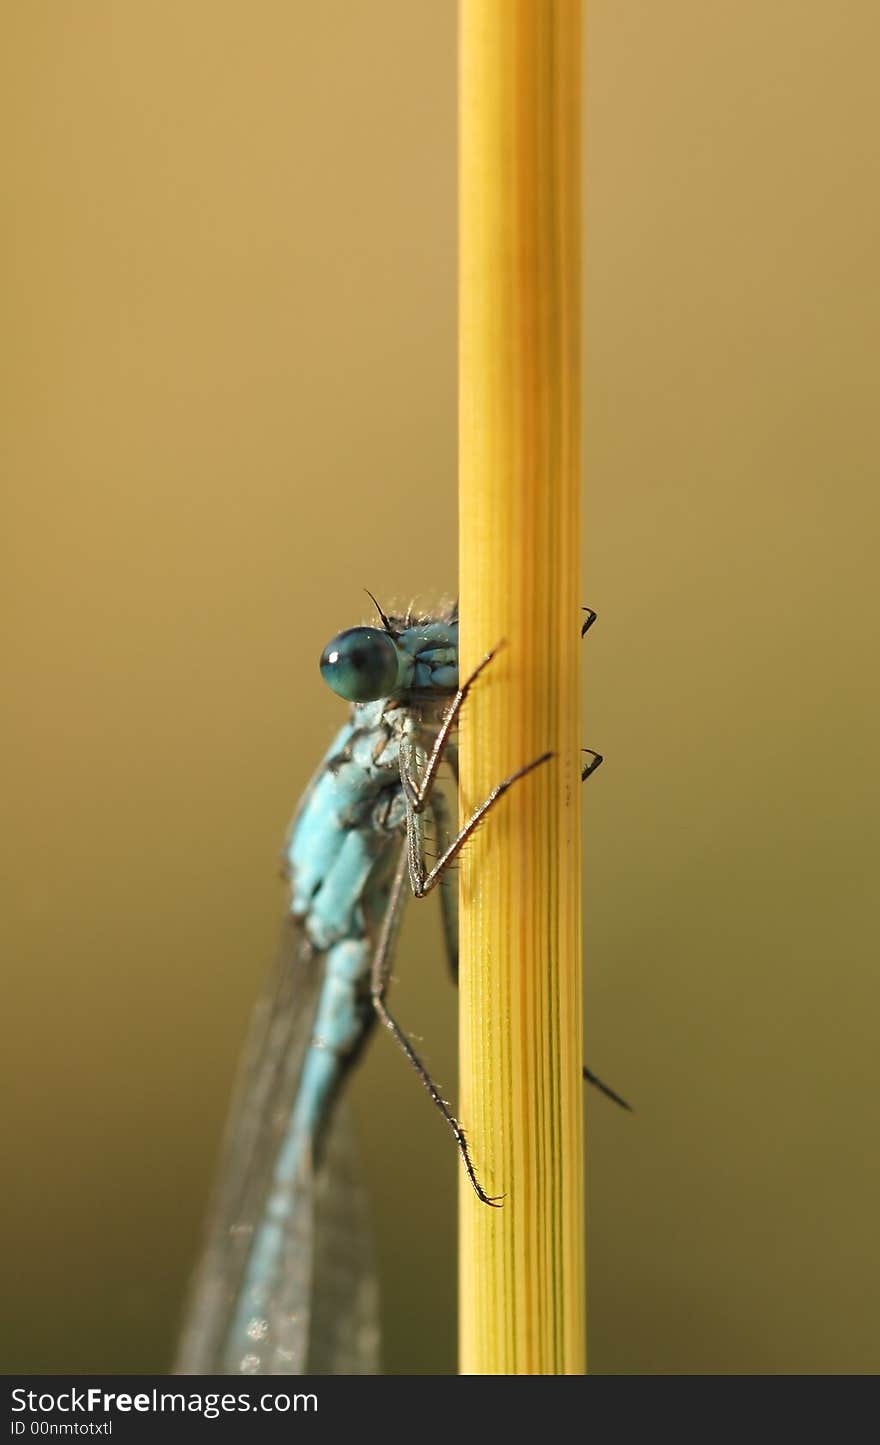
(286, 1284)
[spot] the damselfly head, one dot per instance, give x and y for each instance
(360, 664)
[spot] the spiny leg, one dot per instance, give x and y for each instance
(450, 902)
(590, 767)
(597, 757)
(449, 905)
(380, 979)
(423, 880)
(417, 793)
(606, 1089)
(416, 796)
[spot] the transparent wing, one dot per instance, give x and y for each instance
(344, 1326)
(262, 1100)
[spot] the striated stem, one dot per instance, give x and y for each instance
(522, 1265)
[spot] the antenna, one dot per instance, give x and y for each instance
(385, 623)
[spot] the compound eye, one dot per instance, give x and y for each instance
(360, 664)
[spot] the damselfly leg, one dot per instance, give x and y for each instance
(418, 797)
(606, 1089)
(592, 765)
(596, 758)
(423, 879)
(380, 979)
(417, 792)
(588, 620)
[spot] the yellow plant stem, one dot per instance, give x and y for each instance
(522, 1264)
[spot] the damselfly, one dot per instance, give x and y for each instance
(286, 1284)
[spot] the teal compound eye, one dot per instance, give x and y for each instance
(360, 664)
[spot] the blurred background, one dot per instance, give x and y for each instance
(229, 310)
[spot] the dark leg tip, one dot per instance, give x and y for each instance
(591, 767)
(605, 1089)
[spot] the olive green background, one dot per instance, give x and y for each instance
(228, 349)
